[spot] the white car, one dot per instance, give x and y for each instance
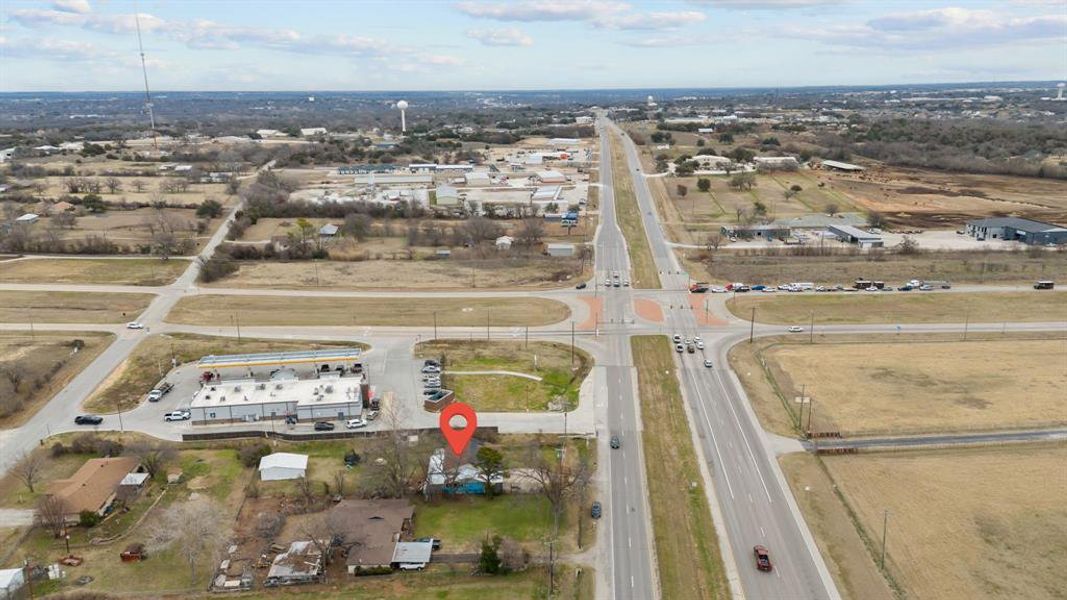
(134, 325)
(155, 395)
(355, 423)
(677, 338)
(796, 329)
(431, 369)
(178, 415)
(707, 363)
(700, 345)
(718, 290)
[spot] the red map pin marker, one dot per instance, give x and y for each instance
(458, 438)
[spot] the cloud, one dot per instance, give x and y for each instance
(54, 49)
(937, 29)
(602, 14)
(508, 36)
(766, 4)
(665, 41)
(75, 6)
(205, 34)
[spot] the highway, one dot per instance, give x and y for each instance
(755, 500)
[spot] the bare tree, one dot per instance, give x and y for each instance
(339, 482)
(555, 481)
(395, 460)
(153, 457)
(113, 184)
(307, 491)
(714, 240)
(531, 232)
(29, 469)
(138, 185)
(15, 373)
(194, 528)
(326, 530)
(51, 513)
(64, 220)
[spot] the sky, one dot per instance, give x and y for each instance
(352, 45)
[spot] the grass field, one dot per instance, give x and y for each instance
(628, 214)
(989, 267)
(913, 307)
(967, 524)
(491, 393)
(687, 549)
(410, 312)
(126, 387)
(46, 362)
(846, 556)
(70, 307)
(462, 523)
(883, 386)
(117, 271)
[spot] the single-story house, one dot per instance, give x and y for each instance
(447, 196)
(328, 230)
(301, 563)
(411, 555)
(550, 177)
(11, 583)
(504, 242)
(369, 529)
(310, 131)
(1017, 229)
(477, 179)
(28, 219)
(266, 133)
(855, 235)
(282, 465)
(559, 250)
(94, 486)
(450, 474)
(710, 161)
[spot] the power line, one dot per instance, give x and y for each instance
(144, 72)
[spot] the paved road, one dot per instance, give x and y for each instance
(755, 501)
(627, 511)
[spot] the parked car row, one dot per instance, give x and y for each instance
(857, 286)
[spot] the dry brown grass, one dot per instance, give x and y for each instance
(70, 307)
(848, 559)
(914, 307)
(628, 215)
(409, 312)
(992, 267)
(117, 271)
(965, 524)
(46, 362)
(449, 274)
(687, 549)
(885, 387)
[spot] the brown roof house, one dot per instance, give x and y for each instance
(370, 530)
(94, 486)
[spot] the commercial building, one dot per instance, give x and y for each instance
(560, 250)
(854, 235)
(550, 177)
(232, 391)
(478, 179)
(1017, 229)
(447, 195)
(393, 179)
(748, 232)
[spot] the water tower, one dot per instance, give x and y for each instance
(402, 106)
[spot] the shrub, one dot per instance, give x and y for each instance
(88, 518)
(250, 455)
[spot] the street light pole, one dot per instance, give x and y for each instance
(435, 325)
(811, 329)
(752, 326)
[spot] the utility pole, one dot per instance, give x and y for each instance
(435, 325)
(527, 345)
(966, 322)
(811, 413)
(572, 343)
(752, 326)
(811, 329)
(885, 528)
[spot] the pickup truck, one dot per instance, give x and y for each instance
(157, 394)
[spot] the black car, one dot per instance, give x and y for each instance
(615, 441)
(88, 420)
(324, 426)
(596, 511)
(580, 286)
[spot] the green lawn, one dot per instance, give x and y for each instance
(463, 522)
(560, 378)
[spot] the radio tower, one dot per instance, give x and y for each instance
(144, 71)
